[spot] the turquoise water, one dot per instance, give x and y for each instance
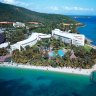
(27, 82)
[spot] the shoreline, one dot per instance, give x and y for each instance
(49, 68)
(88, 39)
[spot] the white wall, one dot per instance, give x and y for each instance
(32, 40)
(77, 39)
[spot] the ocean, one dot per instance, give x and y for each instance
(89, 30)
(28, 82)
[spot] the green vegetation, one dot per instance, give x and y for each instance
(38, 55)
(49, 21)
(87, 48)
(16, 35)
(3, 52)
(13, 13)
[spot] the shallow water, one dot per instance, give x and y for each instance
(27, 82)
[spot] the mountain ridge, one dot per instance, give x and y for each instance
(14, 13)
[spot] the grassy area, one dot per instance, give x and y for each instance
(87, 48)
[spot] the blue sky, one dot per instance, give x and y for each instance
(67, 7)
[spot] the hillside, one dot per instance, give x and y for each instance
(13, 13)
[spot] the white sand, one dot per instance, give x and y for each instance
(59, 69)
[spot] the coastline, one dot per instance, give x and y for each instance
(49, 68)
(88, 39)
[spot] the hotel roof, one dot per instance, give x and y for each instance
(31, 38)
(64, 33)
(4, 45)
(6, 22)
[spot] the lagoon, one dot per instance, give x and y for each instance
(29, 82)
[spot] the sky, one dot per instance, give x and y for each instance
(66, 7)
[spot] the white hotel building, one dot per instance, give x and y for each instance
(18, 24)
(75, 39)
(32, 40)
(71, 38)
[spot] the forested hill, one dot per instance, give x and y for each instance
(14, 13)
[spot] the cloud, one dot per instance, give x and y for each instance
(69, 8)
(22, 4)
(54, 8)
(77, 8)
(9, 1)
(16, 2)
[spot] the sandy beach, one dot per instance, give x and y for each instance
(49, 68)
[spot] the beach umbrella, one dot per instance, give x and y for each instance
(60, 53)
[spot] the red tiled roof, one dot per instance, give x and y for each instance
(33, 22)
(6, 22)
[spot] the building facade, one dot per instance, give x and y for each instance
(70, 38)
(32, 40)
(4, 45)
(18, 24)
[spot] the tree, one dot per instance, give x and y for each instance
(3, 52)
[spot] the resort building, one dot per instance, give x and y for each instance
(18, 24)
(71, 38)
(33, 22)
(4, 45)
(32, 40)
(5, 24)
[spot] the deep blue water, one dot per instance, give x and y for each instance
(89, 30)
(27, 82)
